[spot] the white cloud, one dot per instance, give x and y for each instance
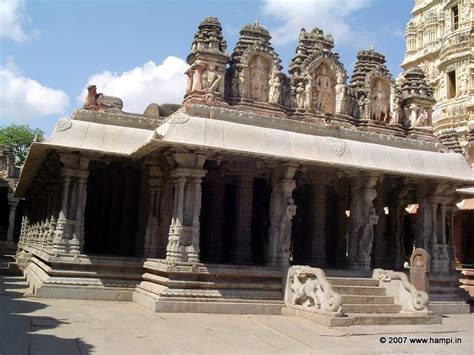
(24, 99)
(12, 17)
(140, 86)
(329, 15)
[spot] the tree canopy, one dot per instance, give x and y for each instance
(18, 139)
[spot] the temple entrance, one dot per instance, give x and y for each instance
(302, 226)
(112, 209)
(260, 220)
(218, 219)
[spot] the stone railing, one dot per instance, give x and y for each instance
(404, 293)
(308, 289)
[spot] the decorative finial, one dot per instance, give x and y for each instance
(371, 47)
(256, 22)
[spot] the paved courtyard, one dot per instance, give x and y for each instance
(46, 326)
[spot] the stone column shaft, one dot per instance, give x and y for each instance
(13, 203)
(216, 214)
(242, 238)
(183, 236)
(443, 224)
(282, 210)
(318, 247)
(363, 219)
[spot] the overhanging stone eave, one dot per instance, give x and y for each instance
(157, 144)
(37, 155)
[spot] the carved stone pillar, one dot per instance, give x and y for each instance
(380, 243)
(318, 245)
(342, 192)
(12, 203)
(363, 219)
(215, 217)
(152, 233)
(183, 237)
(396, 214)
(242, 239)
(443, 223)
(424, 220)
(282, 210)
(68, 235)
(434, 223)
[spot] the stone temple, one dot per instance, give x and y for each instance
(439, 40)
(260, 179)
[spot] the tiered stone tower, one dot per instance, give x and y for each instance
(317, 75)
(415, 101)
(207, 62)
(440, 38)
(255, 73)
(374, 90)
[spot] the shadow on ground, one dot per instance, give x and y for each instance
(24, 331)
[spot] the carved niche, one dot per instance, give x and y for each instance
(321, 89)
(254, 73)
(259, 70)
(378, 103)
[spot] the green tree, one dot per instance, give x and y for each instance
(18, 139)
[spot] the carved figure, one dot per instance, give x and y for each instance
(285, 229)
(213, 80)
(300, 96)
(423, 119)
(379, 102)
(242, 83)
(323, 90)
(305, 289)
(197, 69)
(259, 75)
(98, 101)
(275, 87)
(308, 102)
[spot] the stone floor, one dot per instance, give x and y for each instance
(44, 326)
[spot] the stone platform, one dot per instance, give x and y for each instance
(209, 288)
(83, 277)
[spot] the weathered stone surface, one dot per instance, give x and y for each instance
(420, 269)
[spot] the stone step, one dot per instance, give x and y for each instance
(354, 299)
(392, 319)
(371, 308)
(9, 268)
(360, 290)
(352, 281)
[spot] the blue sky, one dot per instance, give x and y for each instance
(50, 50)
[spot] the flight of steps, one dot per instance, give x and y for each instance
(367, 303)
(8, 266)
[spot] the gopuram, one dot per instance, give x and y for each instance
(262, 190)
(440, 39)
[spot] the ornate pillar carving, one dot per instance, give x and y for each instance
(437, 200)
(68, 235)
(282, 210)
(183, 237)
(152, 233)
(363, 219)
